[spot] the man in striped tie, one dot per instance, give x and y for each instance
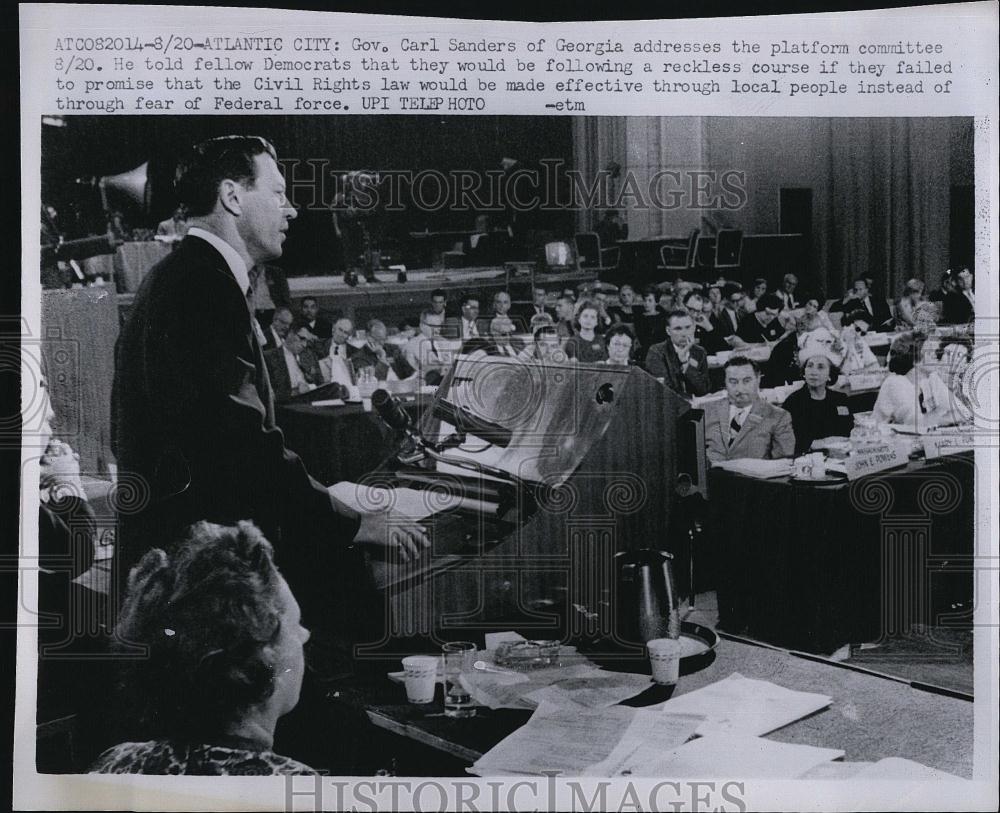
(744, 425)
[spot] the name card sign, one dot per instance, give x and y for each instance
(938, 445)
(875, 457)
(869, 380)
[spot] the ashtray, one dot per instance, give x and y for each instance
(527, 654)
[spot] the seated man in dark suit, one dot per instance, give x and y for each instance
(276, 332)
(538, 306)
(744, 424)
(465, 326)
(959, 306)
(681, 363)
(309, 317)
(708, 331)
(763, 325)
(382, 357)
(862, 298)
(293, 367)
(503, 344)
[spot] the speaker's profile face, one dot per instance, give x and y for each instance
(264, 211)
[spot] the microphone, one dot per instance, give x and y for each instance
(390, 411)
(464, 421)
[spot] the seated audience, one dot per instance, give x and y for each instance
(749, 303)
(789, 301)
(744, 424)
(913, 295)
(269, 288)
(817, 411)
(502, 343)
(293, 368)
(174, 227)
(587, 345)
(548, 345)
(959, 306)
(913, 396)
(861, 297)
(813, 304)
(281, 324)
(709, 332)
(763, 325)
(465, 326)
(604, 321)
(386, 360)
(225, 660)
(620, 343)
(335, 366)
(715, 299)
(650, 321)
(565, 310)
(625, 312)
(539, 305)
(947, 286)
(538, 320)
(858, 356)
(783, 365)
(309, 317)
(427, 352)
(439, 302)
(728, 320)
(682, 364)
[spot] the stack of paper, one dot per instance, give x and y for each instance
(762, 469)
(583, 742)
(740, 705)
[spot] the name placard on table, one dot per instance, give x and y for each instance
(944, 444)
(875, 457)
(870, 380)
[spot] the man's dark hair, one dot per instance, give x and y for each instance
(741, 361)
(308, 298)
(769, 301)
(438, 292)
(689, 297)
(545, 330)
(904, 352)
(470, 298)
(210, 163)
(731, 288)
(650, 290)
(623, 330)
(677, 313)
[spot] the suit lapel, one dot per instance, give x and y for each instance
(753, 420)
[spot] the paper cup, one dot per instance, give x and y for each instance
(665, 660)
(420, 677)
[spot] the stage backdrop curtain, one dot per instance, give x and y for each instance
(597, 142)
(889, 182)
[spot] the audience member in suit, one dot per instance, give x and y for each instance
(565, 310)
(650, 321)
(744, 424)
(335, 365)
(817, 411)
(502, 307)
(947, 286)
(862, 298)
(620, 341)
(538, 306)
(466, 326)
(293, 368)
(381, 357)
(709, 332)
(587, 345)
(501, 342)
(193, 410)
(427, 352)
(729, 319)
(681, 363)
(625, 312)
(763, 325)
(278, 329)
(547, 346)
(311, 319)
(858, 356)
(960, 305)
(789, 301)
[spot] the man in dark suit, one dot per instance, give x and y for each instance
(277, 331)
(744, 424)
(310, 318)
(681, 363)
(862, 298)
(378, 355)
(293, 368)
(467, 326)
(959, 306)
(193, 411)
(709, 332)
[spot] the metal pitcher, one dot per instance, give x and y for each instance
(647, 598)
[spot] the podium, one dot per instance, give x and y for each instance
(580, 463)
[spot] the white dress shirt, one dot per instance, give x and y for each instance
(740, 414)
(469, 329)
(294, 370)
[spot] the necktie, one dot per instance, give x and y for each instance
(734, 429)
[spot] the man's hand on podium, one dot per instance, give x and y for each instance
(393, 532)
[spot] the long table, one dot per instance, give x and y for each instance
(814, 567)
(871, 717)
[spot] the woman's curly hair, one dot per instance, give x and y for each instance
(206, 616)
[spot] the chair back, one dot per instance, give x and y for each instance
(588, 249)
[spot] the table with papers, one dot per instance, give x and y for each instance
(738, 706)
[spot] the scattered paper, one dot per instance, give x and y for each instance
(738, 756)
(762, 469)
(596, 691)
(740, 705)
(582, 742)
(510, 690)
